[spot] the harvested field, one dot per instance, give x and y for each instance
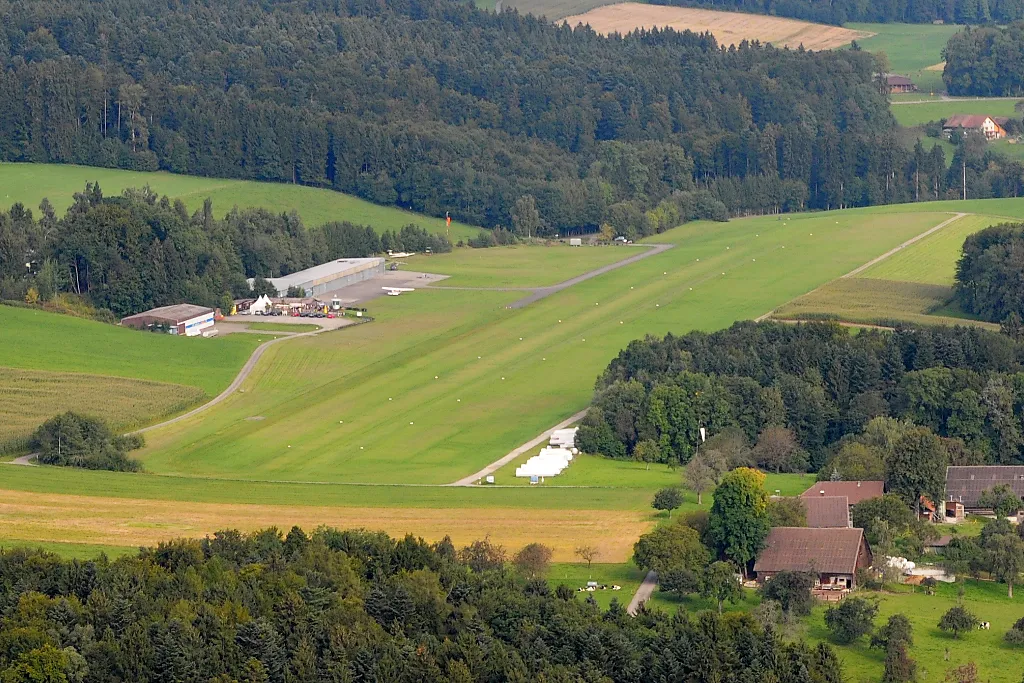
(134, 522)
(727, 27)
(29, 397)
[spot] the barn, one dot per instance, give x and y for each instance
(832, 555)
(965, 485)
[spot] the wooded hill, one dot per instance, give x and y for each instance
(354, 607)
(986, 62)
(436, 106)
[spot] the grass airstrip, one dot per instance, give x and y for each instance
(31, 183)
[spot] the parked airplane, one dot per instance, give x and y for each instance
(395, 291)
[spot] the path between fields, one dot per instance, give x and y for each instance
(643, 593)
(515, 453)
(538, 293)
(860, 269)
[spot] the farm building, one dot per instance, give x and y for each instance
(898, 84)
(989, 126)
(965, 484)
(827, 512)
(185, 319)
(855, 491)
(327, 277)
(832, 555)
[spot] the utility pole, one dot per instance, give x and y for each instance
(965, 176)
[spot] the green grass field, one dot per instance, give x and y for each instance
(911, 49)
(997, 662)
(364, 405)
(274, 327)
(71, 551)
(37, 340)
(576, 575)
(908, 114)
(517, 266)
(30, 183)
(933, 259)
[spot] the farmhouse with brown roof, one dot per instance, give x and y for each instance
(898, 84)
(855, 491)
(965, 484)
(825, 512)
(989, 126)
(832, 555)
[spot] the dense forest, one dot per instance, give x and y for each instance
(986, 62)
(990, 275)
(876, 11)
(814, 397)
(436, 106)
(138, 250)
(354, 607)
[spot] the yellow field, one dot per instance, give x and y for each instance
(30, 397)
(727, 27)
(133, 522)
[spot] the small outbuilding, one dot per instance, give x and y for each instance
(899, 84)
(184, 319)
(855, 491)
(832, 555)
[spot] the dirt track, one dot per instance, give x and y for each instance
(727, 27)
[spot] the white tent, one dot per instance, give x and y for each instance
(261, 304)
(564, 438)
(549, 463)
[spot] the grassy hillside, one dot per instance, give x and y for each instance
(911, 49)
(908, 114)
(30, 183)
(447, 381)
(37, 340)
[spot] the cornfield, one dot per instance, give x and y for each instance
(30, 397)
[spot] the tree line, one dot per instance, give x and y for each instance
(136, 251)
(839, 12)
(812, 397)
(438, 107)
(986, 61)
(353, 606)
(989, 275)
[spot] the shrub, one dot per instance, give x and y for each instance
(74, 440)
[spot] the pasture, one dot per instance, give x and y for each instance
(729, 28)
(517, 266)
(30, 397)
(576, 575)
(913, 50)
(997, 662)
(30, 183)
(552, 9)
(915, 114)
(447, 381)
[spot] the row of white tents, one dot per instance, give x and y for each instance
(553, 458)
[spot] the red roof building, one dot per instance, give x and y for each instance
(827, 512)
(855, 491)
(832, 555)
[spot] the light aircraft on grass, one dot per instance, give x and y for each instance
(395, 291)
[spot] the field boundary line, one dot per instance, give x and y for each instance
(516, 452)
(878, 259)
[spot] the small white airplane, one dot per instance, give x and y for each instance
(395, 291)
(400, 254)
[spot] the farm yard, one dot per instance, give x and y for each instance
(729, 28)
(30, 183)
(913, 50)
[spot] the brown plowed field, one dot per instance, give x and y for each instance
(727, 27)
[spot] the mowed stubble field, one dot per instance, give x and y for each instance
(31, 183)
(729, 28)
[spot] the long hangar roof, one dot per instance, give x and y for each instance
(324, 272)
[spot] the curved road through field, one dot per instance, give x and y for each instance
(538, 293)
